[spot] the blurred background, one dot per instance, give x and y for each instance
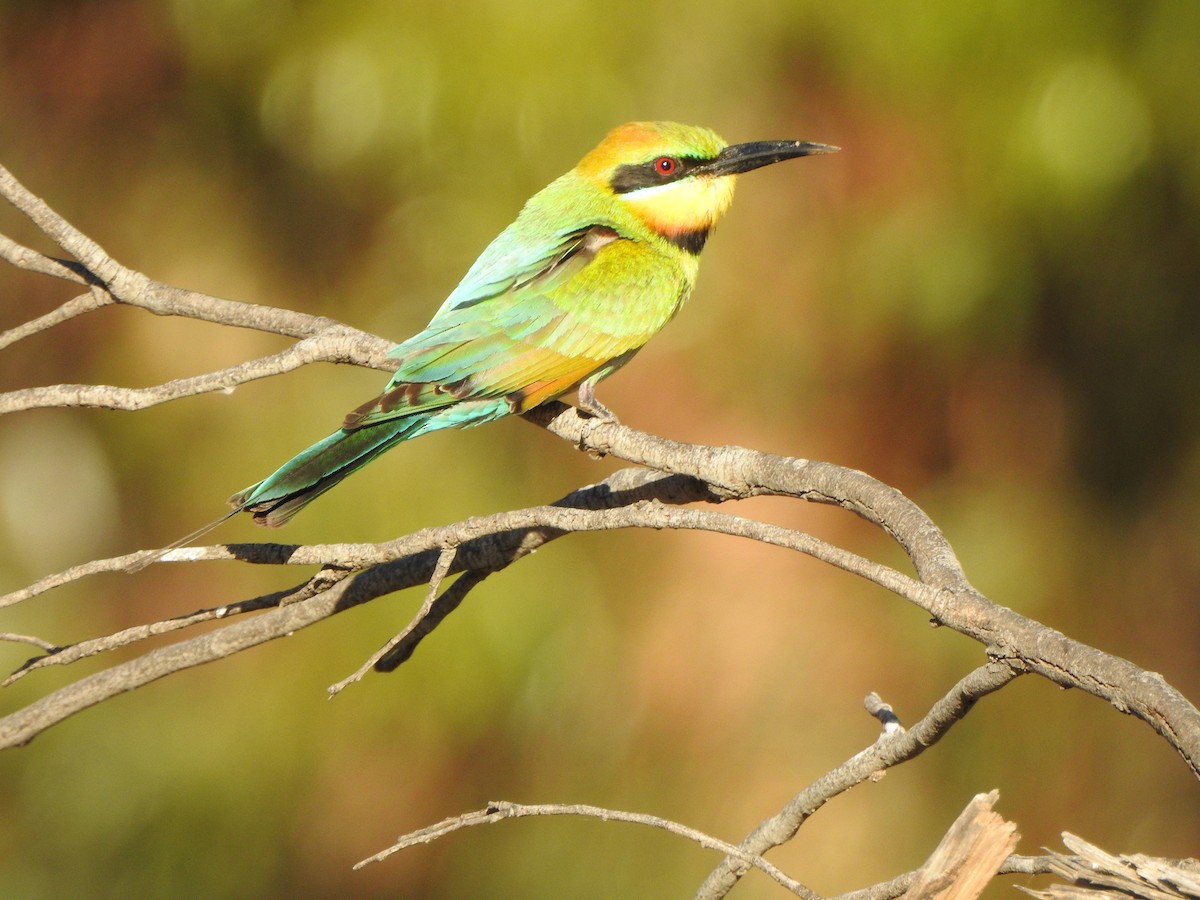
(988, 300)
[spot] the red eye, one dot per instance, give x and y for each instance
(664, 165)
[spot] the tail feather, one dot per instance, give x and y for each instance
(275, 500)
(175, 545)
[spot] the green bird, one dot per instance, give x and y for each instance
(594, 265)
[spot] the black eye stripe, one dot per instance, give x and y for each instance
(631, 177)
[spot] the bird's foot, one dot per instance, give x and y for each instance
(588, 403)
(598, 413)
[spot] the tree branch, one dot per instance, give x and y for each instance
(893, 746)
(500, 810)
(335, 344)
(952, 601)
(132, 288)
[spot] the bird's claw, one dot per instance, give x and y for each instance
(588, 403)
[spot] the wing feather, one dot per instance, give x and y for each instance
(562, 314)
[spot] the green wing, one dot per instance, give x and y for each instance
(522, 337)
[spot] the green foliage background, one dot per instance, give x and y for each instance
(988, 299)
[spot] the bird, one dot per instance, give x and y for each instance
(593, 266)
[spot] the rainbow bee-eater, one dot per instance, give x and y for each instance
(594, 265)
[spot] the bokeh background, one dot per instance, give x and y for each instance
(988, 299)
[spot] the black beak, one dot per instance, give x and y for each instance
(738, 158)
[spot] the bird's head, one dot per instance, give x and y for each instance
(678, 179)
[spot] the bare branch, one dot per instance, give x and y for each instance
(335, 344)
(890, 749)
(422, 627)
(28, 639)
(485, 544)
(953, 602)
(500, 810)
(731, 472)
(55, 227)
(18, 728)
(76, 306)
(445, 558)
(67, 654)
(32, 261)
(75, 573)
(124, 285)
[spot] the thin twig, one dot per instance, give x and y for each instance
(329, 346)
(898, 886)
(61, 655)
(20, 727)
(501, 809)
(445, 558)
(422, 628)
(58, 229)
(31, 260)
(76, 306)
(75, 573)
(28, 639)
(127, 286)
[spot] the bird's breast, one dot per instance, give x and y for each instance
(630, 287)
